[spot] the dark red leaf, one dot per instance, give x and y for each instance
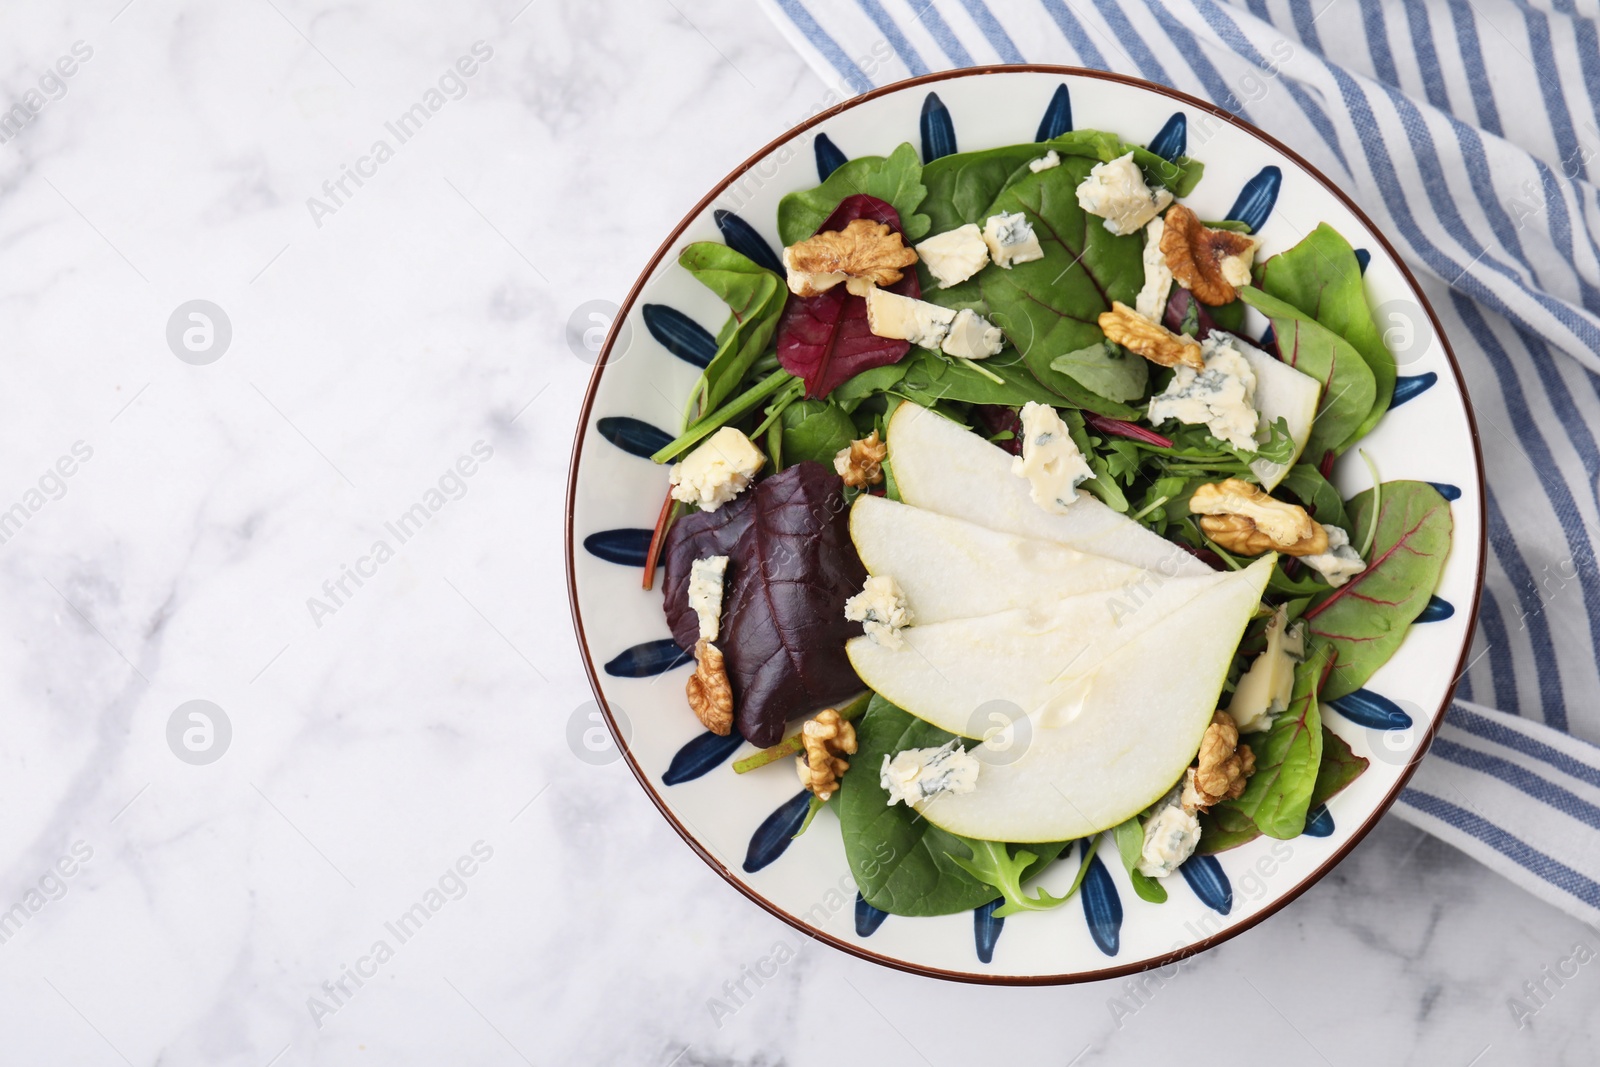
(997, 419)
(824, 339)
(1118, 428)
(791, 568)
(1204, 555)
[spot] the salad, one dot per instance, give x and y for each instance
(1009, 484)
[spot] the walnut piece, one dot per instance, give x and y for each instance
(827, 738)
(1223, 769)
(1207, 262)
(1246, 521)
(1150, 339)
(861, 464)
(865, 252)
(710, 694)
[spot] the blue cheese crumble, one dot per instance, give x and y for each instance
(1050, 460)
(881, 609)
(955, 255)
(705, 593)
(1221, 398)
(1011, 240)
(905, 318)
(1050, 159)
(972, 336)
(717, 471)
(1340, 562)
(919, 774)
(1116, 191)
(1152, 299)
(1171, 834)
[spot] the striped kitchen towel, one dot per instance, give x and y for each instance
(1485, 182)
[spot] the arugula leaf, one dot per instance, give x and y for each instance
(896, 179)
(815, 430)
(901, 862)
(1051, 306)
(1306, 484)
(755, 295)
(1130, 845)
(1322, 278)
(1279, 793)
(1348, 388)
(1106, 369)
(993, 864)
(1364, 620)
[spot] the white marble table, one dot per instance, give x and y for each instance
(390, 735)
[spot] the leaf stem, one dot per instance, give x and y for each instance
(1377, 492)
(989, 374)
(725, 414)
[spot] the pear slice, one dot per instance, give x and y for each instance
(1110, 741)
(951, 569)
(944, 468)
(1281, 392)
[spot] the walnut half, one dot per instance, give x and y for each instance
(1244, 520)
(864, 252)
(827, 739)
(710, 694)
(1223, 767)
(861, 464)
(1148, 338)
(1207, 262)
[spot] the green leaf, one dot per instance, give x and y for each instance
(1223, 828)
(902, 863)
(1322, 278)
(1130, 844)
(1050, 307)
(1364, 620)
(868, 383)
(897, 180)
(755, 296)
(1279, 793)
(1306, 484)
(930, 377)
(993, 864)
(815, 430)
(1106, 369)
(1340, 767)
(815, 805)
(1348, 388)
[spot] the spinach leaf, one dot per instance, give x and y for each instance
(1306, 484)
(755, 295)
(1106, 369)
(901, 862)
(1322, 278)
(1051, 306)
(896, 180)
(1279, 793)
(1348, 388)
(1364, 620)
(993, 864)
(1130, 844)
(815, 430)
(931, 377)
(868, 383)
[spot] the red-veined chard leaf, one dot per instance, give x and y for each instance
(824, 339)
(1348, 388)
(1226, 827)
(1365, 619)
(755, 297)
(1322, 278)
(896, 179)
(1287, 759)
(791, 567)
(1051, 306)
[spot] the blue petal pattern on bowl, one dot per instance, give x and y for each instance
(647, 659)
(829, 158)
(986, 929)
(938, 131)
(1438, 610)
(1268, 339)
(634, 436)
(742, 237)
(1173, 139)
(627, 547)
(1057, 116)
(772, 837)
(1412, 387)
(1363, 257)
(705, 753)
(1102, 907)
(868, 918)
(1205, 876)
(1366, 708)
(1446, 490)
(679, 334)
(1319, 823)
(1257, 199)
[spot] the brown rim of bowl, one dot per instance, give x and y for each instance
(1122, 970)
